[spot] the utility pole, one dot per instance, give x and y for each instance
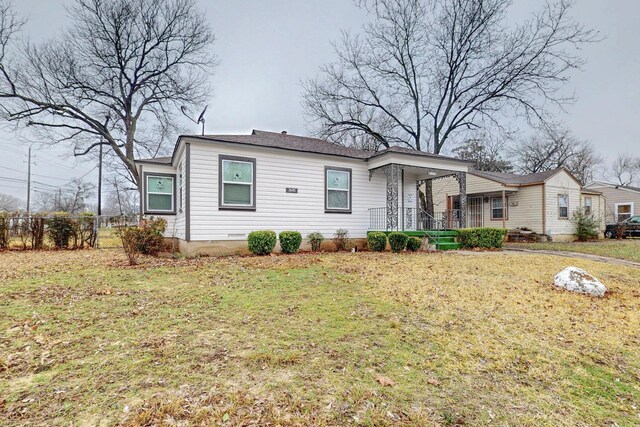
(115, 184)
(29, 183)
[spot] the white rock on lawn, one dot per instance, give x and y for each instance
(578, 280)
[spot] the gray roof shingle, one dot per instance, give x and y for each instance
(515, 179)
(305, 144)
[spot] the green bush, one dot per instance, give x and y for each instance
(414, 244)
(341, 239)
(315, 240)
(587, 225)
(262, 242)
(61, 228)
(398, 241)
(290, 241)
(481, 237)
(377, 241)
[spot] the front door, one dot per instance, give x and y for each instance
(474, 211)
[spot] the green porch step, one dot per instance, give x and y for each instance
(448, 246)
(443, 240)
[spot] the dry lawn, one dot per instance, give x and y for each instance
(628, 249)
(330, 339)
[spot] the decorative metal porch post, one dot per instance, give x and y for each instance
(392, 172)
(462, 182)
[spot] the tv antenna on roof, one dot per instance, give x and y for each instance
(185, 111)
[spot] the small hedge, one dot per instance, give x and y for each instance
(290, 241)
(414, 244)
(315, 240)
(262, 242)
(377, 241)
(398, 241)
(481, 237)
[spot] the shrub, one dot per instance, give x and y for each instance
(377, 241)
(481, 237)
(262, 242)
(398, 241)
(341, 239)
(61, 229)
(290, 241)
(151, 236)
(587, 225)
(4, 230)
(315, 240)
(146, 238)
(414, 244)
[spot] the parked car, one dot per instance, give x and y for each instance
(630, 227)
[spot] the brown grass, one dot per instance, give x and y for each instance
(330, 339)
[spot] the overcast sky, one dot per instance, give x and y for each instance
(266, 48)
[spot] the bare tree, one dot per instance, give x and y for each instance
(555, 147)
(625, 168)
(426, 70)
(117, 75)
(9, 203)
(72, 199)
(120, 199)
(486, 153)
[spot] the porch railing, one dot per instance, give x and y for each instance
(416, 219)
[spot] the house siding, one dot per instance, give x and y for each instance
(561, 183)
(175, 223)
(276, 209)
(615, 196)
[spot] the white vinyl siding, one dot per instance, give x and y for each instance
(275, 208)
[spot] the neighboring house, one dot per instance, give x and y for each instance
(214, 190)
(623, 201)
(542, 202)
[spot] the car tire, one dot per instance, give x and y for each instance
(609, 234)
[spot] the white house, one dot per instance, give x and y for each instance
(541, 202)
(215, 189)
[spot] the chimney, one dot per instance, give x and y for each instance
(284, 132)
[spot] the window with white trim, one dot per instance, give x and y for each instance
(497, 209)
(160, 197)
(623, 211)
(237, 183)
(563, 206)
(337, 189)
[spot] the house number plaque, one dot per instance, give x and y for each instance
(292, 190)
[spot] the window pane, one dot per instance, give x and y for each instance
(497, 213)
(564, 212)
(237, 194)
(338, 179)
(624, 209)
(159, 184)
(588, 202)
(563, 201)
(160, 202)
(496, 203)
(337, 199)
(237, 171)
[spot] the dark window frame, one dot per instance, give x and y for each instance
(326, 190)
(145, 183)
(221, 205)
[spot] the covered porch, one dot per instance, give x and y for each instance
(408, 187)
